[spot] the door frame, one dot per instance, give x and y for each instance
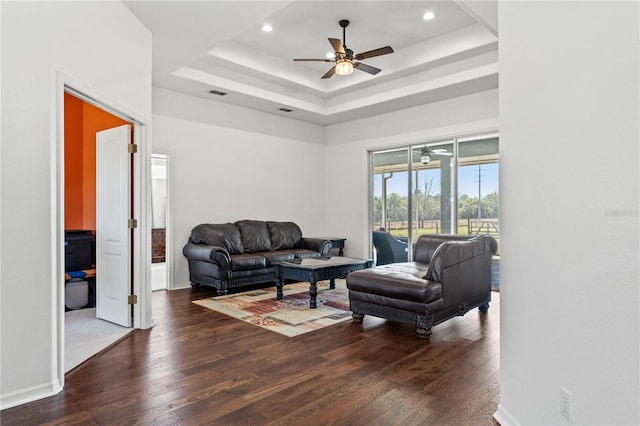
(168, 243)
(141, 251)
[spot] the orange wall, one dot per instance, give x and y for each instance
(73, 191)
(95, 120)
(81, 125)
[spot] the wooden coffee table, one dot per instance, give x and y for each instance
(317, 269)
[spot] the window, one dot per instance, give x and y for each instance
(478, 171)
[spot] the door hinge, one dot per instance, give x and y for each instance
(133, 299)
(132, 223)
(132, 148)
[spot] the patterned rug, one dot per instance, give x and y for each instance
(290, 316)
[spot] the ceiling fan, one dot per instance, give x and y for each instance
(426, 154)
(344, 57)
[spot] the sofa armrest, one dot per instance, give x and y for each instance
(207, 253)
(320, 245)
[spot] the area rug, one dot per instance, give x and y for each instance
(290, 316)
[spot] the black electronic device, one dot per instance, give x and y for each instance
(78, 249)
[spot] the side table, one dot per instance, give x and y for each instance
(336, 243)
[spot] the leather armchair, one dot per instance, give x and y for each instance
(450, 275)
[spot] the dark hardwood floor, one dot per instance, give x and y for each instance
(197, 366)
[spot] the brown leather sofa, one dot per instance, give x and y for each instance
(450, 275)
(243, 253)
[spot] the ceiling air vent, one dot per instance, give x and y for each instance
(285, 109)
(217, 92)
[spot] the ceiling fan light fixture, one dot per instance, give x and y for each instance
(425, 156)
(344, 67)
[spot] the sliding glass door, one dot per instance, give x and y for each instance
(438, 187)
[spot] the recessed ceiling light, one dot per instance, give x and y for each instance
(267, 28)
(330, 55)
(428, 16)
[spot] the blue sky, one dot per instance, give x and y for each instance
(467, 181)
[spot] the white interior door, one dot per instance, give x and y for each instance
(113, 246)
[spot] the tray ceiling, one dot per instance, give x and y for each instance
(202, 46)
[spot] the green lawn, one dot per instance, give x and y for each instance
(462, 230)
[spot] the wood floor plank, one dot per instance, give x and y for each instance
(197, 366)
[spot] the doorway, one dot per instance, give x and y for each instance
(85, 333)
(159, 222)
(140, 300)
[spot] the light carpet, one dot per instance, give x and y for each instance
(290, 316)
(85, 335)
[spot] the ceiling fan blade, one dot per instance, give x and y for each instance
(329, 73)
(376, 52)
(337, 45)
(315, 60)
(441, 151)
(366, 68)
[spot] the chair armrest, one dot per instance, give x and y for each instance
(466, 261)
(427, 245)
(207, 253)
(316, 244)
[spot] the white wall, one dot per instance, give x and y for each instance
(218, 172)
(346, 166)
(569, 132)
(103, 46)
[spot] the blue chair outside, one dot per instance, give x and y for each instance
(389, 249)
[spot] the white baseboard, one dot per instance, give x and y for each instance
(181, 286)
(34, 393)
(503, 417)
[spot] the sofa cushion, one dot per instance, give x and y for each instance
(284, 235)
(245, 262)
(398, 281)
(225, 235)
(255, 235)
(274, 257)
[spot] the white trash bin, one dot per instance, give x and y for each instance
(76, 294)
